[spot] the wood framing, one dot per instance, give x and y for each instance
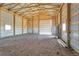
(13, 6)
(28, 6)
(60, 23)
(14, 24)
(54, 10)
(0, 22)
(19, 9)
(32, 24)
(22, 25)
(68, 23)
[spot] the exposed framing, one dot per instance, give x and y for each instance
(68, 23)
(13, 6)
(14, 24)
(0, 22)
(22, 25)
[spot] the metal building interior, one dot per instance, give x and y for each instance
(39, 29)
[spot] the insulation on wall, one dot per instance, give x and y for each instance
(24, 25)
(64, 23)
(74, 27)
(18, 25)
(6, 23)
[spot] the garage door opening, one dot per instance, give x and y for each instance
(46, 27)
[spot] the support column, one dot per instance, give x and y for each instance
(38, 24)
(60, 25)
(27, 25)
(32, 24)
(0, 22)
(14, 24)
(22, 25)
(68, 23)
(61, 22)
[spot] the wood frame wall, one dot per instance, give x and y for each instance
(22, 21)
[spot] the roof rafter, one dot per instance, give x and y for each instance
(31, 8)
(40, 9)
(13, 6)
(7, 4)
(37, 8)
(19, 9)
(34, 13)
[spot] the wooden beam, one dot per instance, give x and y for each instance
(61, 21)
(68, 23)
(32, 24)
(39, 21)
(0, 22)
(14, 24)
(22, 25)
(6, 4)
(19, 9)
(33, 6)
(1, 4)
(38, 24)
(13, 6)
(54, 8)
(36, 13)
(27, 25)
(61, 7)
(57, 10)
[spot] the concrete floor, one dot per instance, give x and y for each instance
(33, 45)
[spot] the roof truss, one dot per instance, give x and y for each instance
(29, 7)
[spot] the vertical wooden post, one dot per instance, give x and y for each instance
(61, 23)
(0, 22)
(59, 27)
(39, 20)
(14, 24)
(32, 24)
(68, 23)
(22, 25)
(27, 25)
(38, 24)
(52, 24)
(60, 36)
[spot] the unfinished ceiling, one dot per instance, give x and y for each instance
(32, 8)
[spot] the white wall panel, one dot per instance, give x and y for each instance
(74, 27)
(24, 25)
(35, 26)
(6, 24)
(18, 25)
